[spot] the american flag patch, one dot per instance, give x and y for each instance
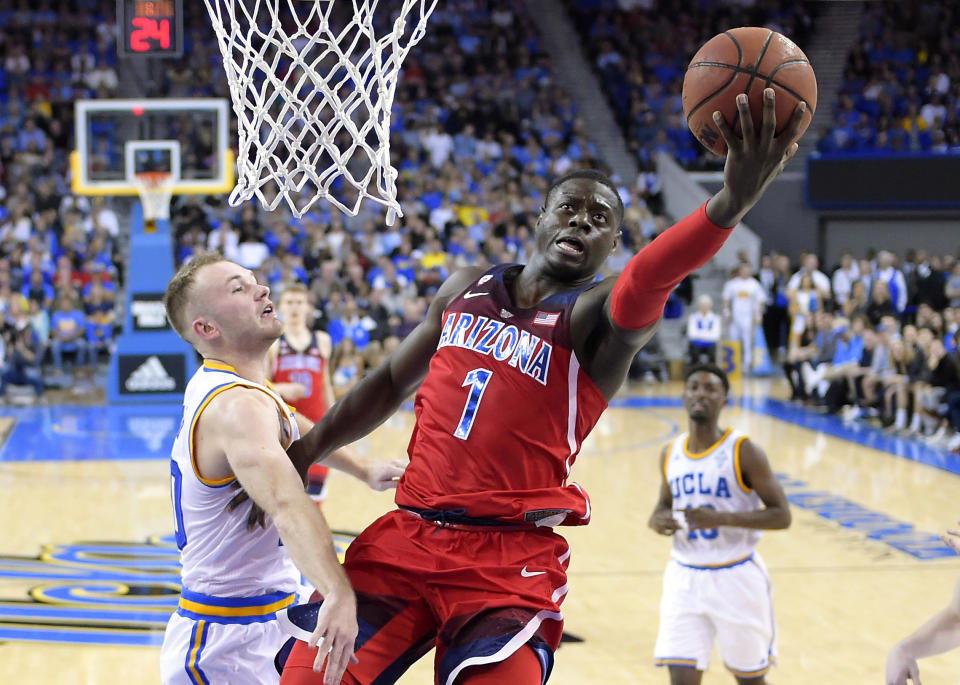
(546, 319)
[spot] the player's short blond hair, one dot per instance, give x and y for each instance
(180, 288)
(294, 288)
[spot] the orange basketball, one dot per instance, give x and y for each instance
(745, 60)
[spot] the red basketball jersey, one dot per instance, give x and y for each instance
(305, 368)
(502, 411)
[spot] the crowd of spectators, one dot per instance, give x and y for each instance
(640, 50)
(874, 339)
(478, 129)
(59, 265)
(901, 88)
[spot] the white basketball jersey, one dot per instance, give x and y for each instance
(745, 295)
(710, 479)
(219, 555)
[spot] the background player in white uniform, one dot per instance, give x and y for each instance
(717, 493)
(743, 303)
(235, 430)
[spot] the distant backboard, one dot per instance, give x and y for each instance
(117, 139)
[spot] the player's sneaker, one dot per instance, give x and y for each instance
(299, 621)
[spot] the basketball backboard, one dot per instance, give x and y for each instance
(117, 139)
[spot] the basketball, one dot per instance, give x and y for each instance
(745, 60)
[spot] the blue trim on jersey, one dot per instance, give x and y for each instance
(192, 666)
(233, 610)
(560, 300)
(259, 601)
(207, 369)
(718, 567)
(487, 647)
(227, 620)
(674, 662)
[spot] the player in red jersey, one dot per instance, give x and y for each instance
(514, 366)
(298, 367)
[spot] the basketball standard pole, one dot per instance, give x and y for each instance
(151, 363)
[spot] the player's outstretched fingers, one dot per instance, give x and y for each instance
(746, 121)
(915, 673)
(725, 131)
(792, 131)
(768, 128)
(952, 540)
(340, 654)
(317, 641)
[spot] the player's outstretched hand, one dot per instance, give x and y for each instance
(294, 391)
(754, 159)
(256, 516)
(901, 668)
(335, 635)
(383, 475)
(663, 522)
(952, 539)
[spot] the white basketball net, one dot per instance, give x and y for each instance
(312, 87)
(155, 189)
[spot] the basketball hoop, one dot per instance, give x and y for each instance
(155, 189)
(312, 86)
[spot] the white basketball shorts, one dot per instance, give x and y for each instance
(730, 604)
(210, 644)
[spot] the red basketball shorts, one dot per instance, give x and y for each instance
(477, 595)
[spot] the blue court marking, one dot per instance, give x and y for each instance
(875, 525)
(92, 636)
(70, 433)
(154, 620)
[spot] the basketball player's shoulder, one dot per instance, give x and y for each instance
(324, 343)
(458, 281)
(749, 450)
(234, 404)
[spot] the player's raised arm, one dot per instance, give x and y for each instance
(941, 633)
(378, 475)
(758, 476)
(639, 294)
(379, 394)
(325, 344)
(260, 464)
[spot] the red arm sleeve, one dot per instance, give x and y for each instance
(641, 290)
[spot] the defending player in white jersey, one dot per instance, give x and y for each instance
(235, 431)
(717, 493)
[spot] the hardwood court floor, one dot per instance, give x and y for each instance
(841, 599)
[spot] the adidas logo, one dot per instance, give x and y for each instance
(150, 376)
(505, 314)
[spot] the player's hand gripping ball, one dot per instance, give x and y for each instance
(746, 60)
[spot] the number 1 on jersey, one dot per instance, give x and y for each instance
(477, 380)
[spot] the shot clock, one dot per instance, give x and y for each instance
(150, 28)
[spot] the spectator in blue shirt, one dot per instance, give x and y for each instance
(37, 289)
(68, 328)
(98, 308)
